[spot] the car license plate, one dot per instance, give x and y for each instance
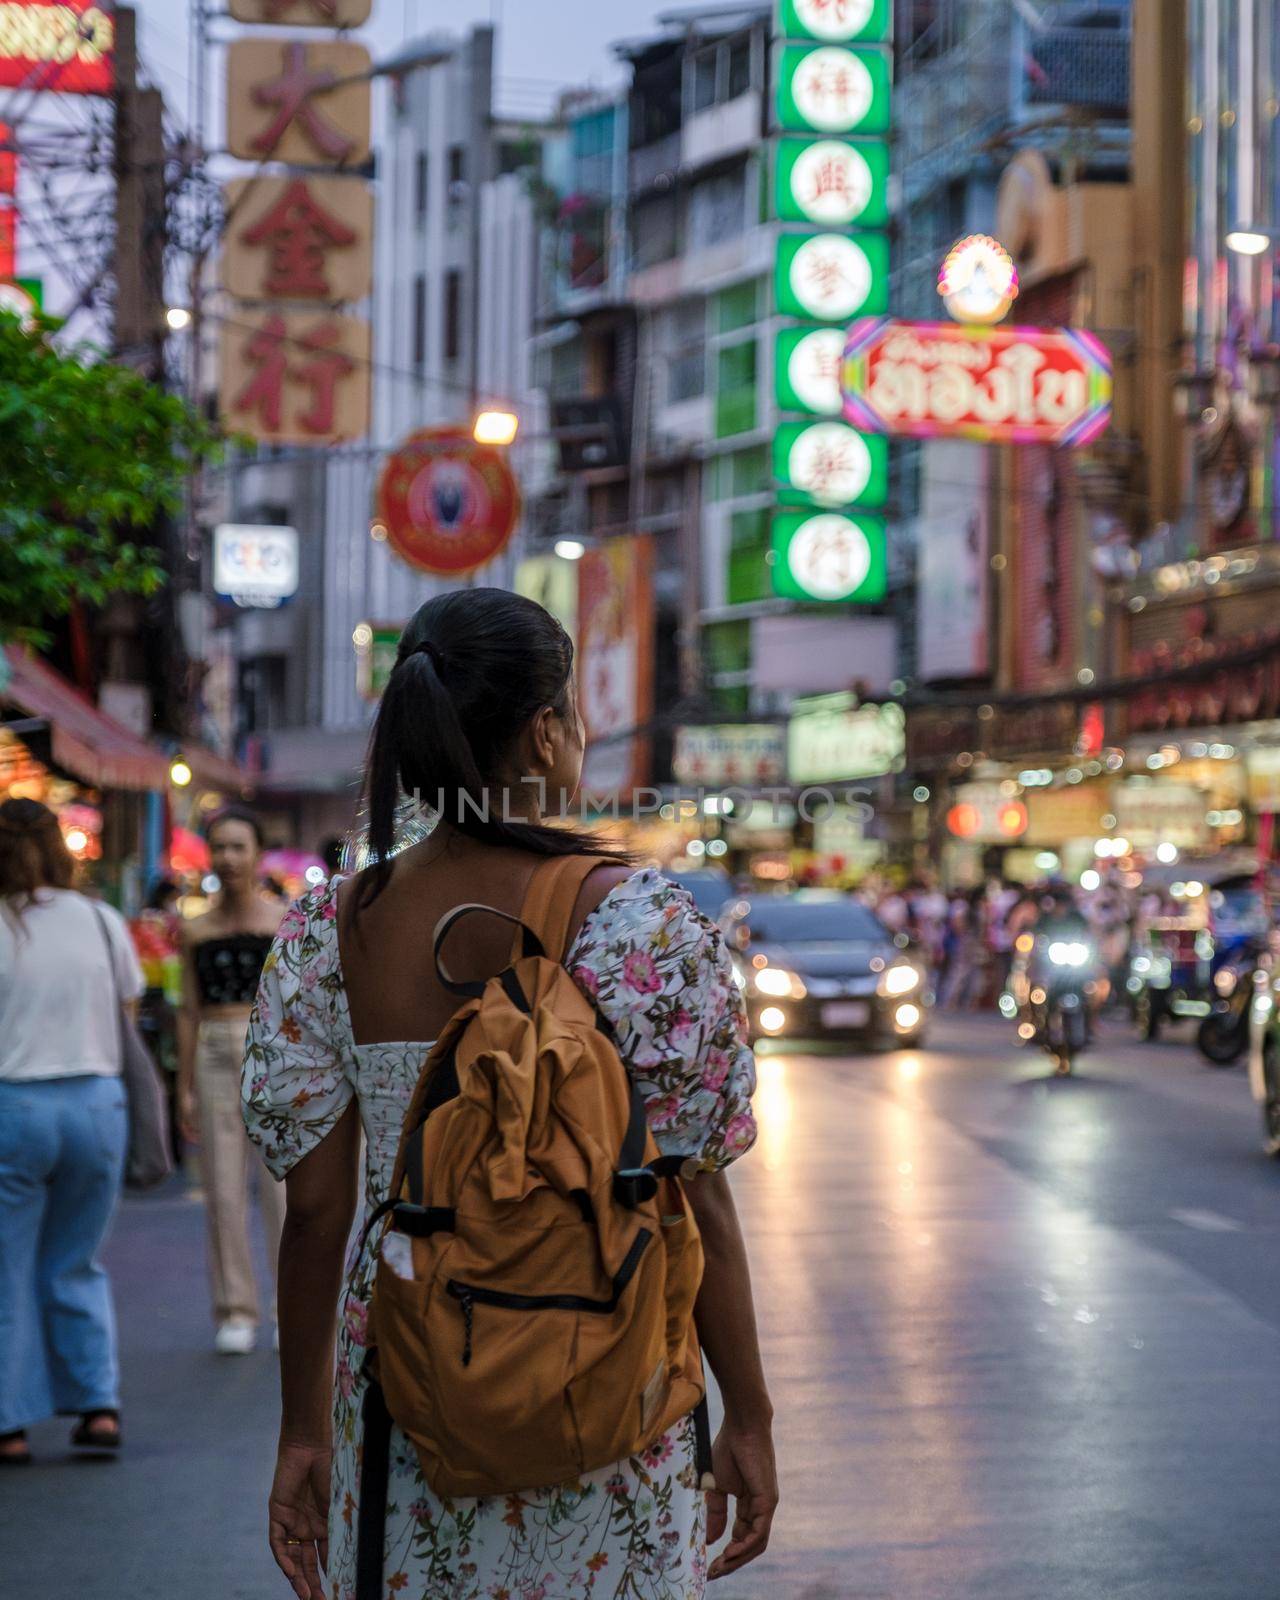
(846, 1014)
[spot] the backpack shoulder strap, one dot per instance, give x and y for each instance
(551, 896)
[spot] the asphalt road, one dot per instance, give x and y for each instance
(1023, 1335)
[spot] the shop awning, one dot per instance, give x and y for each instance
(95, 747)
(87, 743)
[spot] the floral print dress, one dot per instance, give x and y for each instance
(660, 974)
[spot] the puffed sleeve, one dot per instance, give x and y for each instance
(661, 975)
(294, 1085)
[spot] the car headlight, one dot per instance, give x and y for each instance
(899, 980)
(1225, 981)
(779, 984)
(1068, 955)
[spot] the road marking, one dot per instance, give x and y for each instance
(1207, 1221)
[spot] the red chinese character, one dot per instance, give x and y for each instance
(833, 84)
(829, 463)
(291, 94)
(321, 375)
(839, 9)
(826, 274)
(264, 392)
(298, 232)
(831, 178)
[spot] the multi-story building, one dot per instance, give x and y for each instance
(453, 306)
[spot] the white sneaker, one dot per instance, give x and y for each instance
(235, 1338)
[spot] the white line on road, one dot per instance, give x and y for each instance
(1207, 1221)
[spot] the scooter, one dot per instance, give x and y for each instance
(1223, 1036)
(1052, 990)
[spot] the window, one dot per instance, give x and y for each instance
(718, 209)
(736, 389)
(452, 314)
(704, 80)
(719, 73)
(419, 323)
(684, 340)
(736, 307)
(748, 577)
(457, 164)
(420, 186)
(739, 67)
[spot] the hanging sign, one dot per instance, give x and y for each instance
(729, 753)
(978, 281)
(832, 277)
(832, 89)
(65, 46)
(255, 565)
(833, 182)
(830, 464)
(806, 370)
(449, 505)
(826, 556)
(836, 21)
(295, 377)
(300, 103)
(299, 239)
(303, 13)
(929, 380)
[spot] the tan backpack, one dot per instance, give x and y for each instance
(532, 1313)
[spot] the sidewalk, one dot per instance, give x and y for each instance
(186, 1507)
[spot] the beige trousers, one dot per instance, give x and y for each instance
(227, 1159)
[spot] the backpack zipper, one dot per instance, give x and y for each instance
(469, 1295)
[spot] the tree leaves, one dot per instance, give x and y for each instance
(92, 456)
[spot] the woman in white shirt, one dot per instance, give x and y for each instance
(64, 961)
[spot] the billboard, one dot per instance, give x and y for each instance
(67, 46)
(255, 565)
(953, 556)
(615, 662)
(930, 380)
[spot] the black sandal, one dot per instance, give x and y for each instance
(15, 1458)
(90, 1435)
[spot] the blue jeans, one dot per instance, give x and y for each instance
(62, 1147)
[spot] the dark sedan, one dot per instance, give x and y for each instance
(817, 964)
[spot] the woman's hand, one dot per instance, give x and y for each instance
(298, 1514)
(742, 1459)
(188, 1114)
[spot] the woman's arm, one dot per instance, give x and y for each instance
(321, 1196)
(743, 1453)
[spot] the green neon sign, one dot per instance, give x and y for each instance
(829, 557)
(831, 88)
(832, 277)
(836, 21)
(833, 183)
(806, 370)
(829, 464)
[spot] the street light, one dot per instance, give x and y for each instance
(179, 773)
(570, 549)
(178, 318)
(1252, 239)
(495, 427)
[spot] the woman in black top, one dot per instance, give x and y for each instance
(223, 955)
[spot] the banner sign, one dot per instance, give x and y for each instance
(929, 380)
(295, 377)
(299, 239)
(836, 21)
(832, 277)
(302, 13)
(831, 737)
(255, 565)
(730, 753)
(830, 464)
(302, 103)
(833, 183)
(449, 505)
(806, 370)
(67, 46)
(827, 556)
(615, 662)
(832, 89)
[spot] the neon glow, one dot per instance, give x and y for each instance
(929, 380)
(978, 282)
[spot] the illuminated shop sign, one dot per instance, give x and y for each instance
(68, 48)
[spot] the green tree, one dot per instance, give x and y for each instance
(92, 455)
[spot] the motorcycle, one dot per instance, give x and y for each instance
(1052, 991)
(1223, 1036)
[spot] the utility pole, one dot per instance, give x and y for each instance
(139, 252)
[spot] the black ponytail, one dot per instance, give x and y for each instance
(474, 667)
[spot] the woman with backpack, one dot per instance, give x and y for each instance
(66, 963)
(479, 722)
